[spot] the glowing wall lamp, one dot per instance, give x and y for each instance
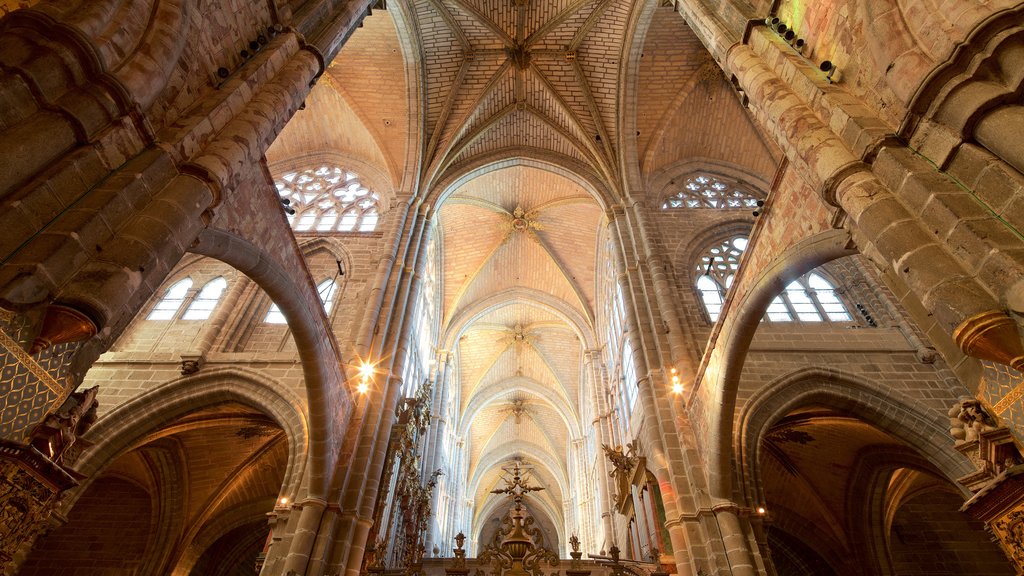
(677, 384)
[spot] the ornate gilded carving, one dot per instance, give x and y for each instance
(30, 487)
(403, 506)
(522, 221)
(517, 548)
(623, 464)
(1010, 531)
(991, 335)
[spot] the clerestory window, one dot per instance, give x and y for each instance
(329, 199)
(810, 298)
(704, 190)
(715, 271)
(173, 298)
(204, 303)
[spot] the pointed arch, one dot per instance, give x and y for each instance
(122, 429)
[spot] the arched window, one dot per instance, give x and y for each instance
(809, 298)
(325, 289)
(203, 304)
(703, 190)
(168, 306)
(329, 199)
(715, 271)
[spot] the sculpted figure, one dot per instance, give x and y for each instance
(59, 430)
(968, 419)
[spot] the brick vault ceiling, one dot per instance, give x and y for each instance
(521, 74)
(509, 78)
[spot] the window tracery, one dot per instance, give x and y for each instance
(810, 298)
(329, 199)
(715, 271)
(173, 298)
(704, 190)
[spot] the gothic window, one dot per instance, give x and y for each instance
(809, 298)
(325, 289)
(715, 271)
(703, 190)
(329, 199)
(168, 306)
(204, 303)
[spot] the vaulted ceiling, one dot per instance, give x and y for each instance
(521, 75)
(515, 118)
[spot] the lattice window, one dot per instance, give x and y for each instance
(168, 306)
(204, 303)
(702, 190)
(329, 199)
(325, 289)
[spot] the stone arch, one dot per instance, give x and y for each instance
(888, 410)
(335, 249)
(481, 398)
(507, 451)
(733, 338)
(583, 175)
(465, 318)
(378, 180)
(210, 533)
(140, 418)
(329, 401)
(869, 485)
(493, 505)
(982, 74)
(661, 179)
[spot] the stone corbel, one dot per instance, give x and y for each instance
(991, 335)
(62, 324)
(191, 363)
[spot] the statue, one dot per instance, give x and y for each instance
(968, 419)
(55, 435)
(622, 466)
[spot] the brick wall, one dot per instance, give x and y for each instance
(106, 534)
(930, 536)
